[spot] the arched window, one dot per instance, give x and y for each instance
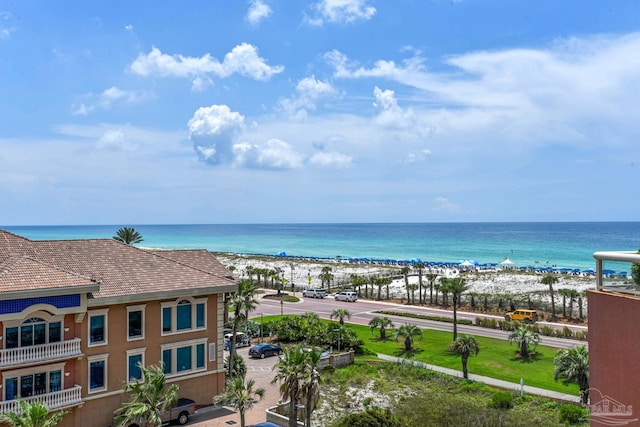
(33, 331)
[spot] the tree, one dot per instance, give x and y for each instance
(242, 302)
(431, 277)
(32, 414)
(340, 314)
(128, 235)
(239, 366)
(465, 346)
(150, 396)
(527, 340)
(310, 382)
(383, 323)
(572, 365)
(291, 372)
(326, 277)
(412, 288)
(405, 274)
(408, 332)
(419, 266)
(456, 287)
(635, 272)
(550, 279)
(241, 395)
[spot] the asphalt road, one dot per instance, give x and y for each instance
(362, 311)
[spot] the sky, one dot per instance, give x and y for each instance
(290, 111)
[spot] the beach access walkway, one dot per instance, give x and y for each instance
(505, 385)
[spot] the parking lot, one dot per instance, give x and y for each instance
(262, 372)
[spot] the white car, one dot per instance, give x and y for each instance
(349, 296)
(314, 293)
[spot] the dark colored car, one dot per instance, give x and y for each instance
(263, 350)
(180, 413)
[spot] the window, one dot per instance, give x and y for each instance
(98, 327)
(183, 315)
(32, 381)
(212, 352)
(184, 357)
(135, 358)
(33, 331)
(135, 322)
(97, 372)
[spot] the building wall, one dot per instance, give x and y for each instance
(614, 349)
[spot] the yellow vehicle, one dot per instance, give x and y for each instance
(522, 315)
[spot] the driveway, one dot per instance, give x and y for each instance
(262, 372)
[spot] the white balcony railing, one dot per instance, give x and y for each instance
(56, 400)
(620, 256)
(39, 353)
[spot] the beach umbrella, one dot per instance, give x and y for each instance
(282, 254)
(507, 261)
(467, 263)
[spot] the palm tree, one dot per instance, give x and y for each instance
(240, 395)
(550, 279)
(572, 365)
(32, 414)
(419, 266)
(405, 274)
(326, 277)
(456, 287)
(635, 272)
(291, 373)
(340, 314)
(573, 295)
(407, 331)
(431, 277)
(379, 282)
(412, 288)
(310, 382)
(242, 303)
(527, 340)
(128, 235)
(465, 346)
(383, 323)
(150, 396)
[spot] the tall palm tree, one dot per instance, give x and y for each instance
(431, 278)
(242, 302)
(379, 282)
(412, 288)
(572, 365)
(340, 314)
(405, 274)
(32, 414)
(128, 235)
(383, 323)
(408, 332)
(326, 277)
(550, 279)
(419, 266)
(241, 395)
(527, 340)
(465, 346)
(573, 295)
(310, 383)
(290, 374)
(456, 287)
(150, 396)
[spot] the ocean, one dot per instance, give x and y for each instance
(543, 244)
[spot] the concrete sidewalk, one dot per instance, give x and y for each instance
(555, 395)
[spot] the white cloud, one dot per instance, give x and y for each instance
(330, 160)
(418, 156)
(258, 10)
(6, 25)
(274, 154)
(114, 139)
(242, 59)
(308, 92)
(443, 204)
(392, 116)
(341, 12)
(107, 99)
(213, 131)
(128, 27)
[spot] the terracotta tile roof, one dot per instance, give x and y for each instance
(22, 273)
(201, 259)
(121, 269)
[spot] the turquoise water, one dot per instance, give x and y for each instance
(569, 245)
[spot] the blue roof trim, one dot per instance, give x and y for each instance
(59, 301)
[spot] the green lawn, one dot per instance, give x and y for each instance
(496, 358)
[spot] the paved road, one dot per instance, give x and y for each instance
(362, 311)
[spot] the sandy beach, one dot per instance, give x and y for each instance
(304, 273)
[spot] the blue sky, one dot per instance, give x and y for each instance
(270, 111)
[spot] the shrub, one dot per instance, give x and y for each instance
(567, 332)
(501, 400)
(546, 330)
(571, 414)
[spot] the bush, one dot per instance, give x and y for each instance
(501, 400)
(571, 414)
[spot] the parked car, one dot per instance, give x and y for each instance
(522, 315)
(242, 340)
(314, 293)
(263, 350)
(349, 296)
(179, 414)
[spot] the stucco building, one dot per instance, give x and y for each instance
(77, 316)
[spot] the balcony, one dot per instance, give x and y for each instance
(620, 256)
(39, 353)
(56, 400)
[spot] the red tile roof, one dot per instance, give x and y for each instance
(120, 269)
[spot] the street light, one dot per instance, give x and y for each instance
(261, 328)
